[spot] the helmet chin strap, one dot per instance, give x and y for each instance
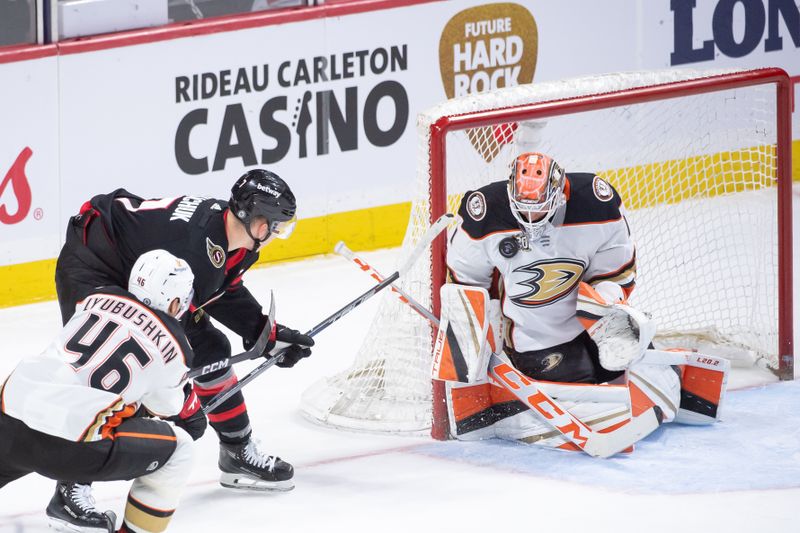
(257, 243)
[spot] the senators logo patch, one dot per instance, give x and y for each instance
(215, 253)
(550, 281)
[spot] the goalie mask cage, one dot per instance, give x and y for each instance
(702, 163)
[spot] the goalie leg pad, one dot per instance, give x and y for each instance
(654, 384)
(704, 380)
(703, 385)
(484, 411)
(468, 333)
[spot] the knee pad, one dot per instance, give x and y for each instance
(172, 476)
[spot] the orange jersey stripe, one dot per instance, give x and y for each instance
(591, 223)
(145, 436)
(498, 232)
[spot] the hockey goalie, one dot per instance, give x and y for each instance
(537, 342)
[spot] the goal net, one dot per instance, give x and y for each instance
(701, 161)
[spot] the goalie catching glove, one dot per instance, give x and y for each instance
(621, 333)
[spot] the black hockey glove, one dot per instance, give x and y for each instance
(191, 418)
(299, 346)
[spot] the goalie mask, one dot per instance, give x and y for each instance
(535, 191)
(263, 193)
(158, 277)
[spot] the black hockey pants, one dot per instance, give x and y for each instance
(141, 446)
(575, 361)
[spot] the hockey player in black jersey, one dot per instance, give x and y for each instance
(220, 240)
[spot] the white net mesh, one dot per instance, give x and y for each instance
(697, 175)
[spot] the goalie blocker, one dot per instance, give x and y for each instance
(685, 387)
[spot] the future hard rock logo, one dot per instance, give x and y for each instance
(484, 48)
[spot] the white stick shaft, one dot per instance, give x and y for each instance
(425, 241)
(416, 252)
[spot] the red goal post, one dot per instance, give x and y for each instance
(784, 107)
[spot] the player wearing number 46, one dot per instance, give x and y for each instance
(556, 253)
(68, 413)
(219, 240)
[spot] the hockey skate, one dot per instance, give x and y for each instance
(71, 509)
(245, 467)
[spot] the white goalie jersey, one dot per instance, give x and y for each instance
(588, 240)
(113, 356)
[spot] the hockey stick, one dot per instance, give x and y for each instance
(256, 351)
(592, 442)
(342, 249)
(416, 252)
(506, 376)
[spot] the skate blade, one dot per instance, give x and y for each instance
(62, 526)
(242, 482)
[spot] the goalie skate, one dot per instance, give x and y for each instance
(245, 467)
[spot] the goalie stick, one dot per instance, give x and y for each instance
(527, 390)
(432, 232)
(342, 249)
(592, 442)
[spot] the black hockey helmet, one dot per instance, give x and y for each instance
(259, 192)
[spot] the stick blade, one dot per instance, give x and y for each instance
(606, 445)
(266, 333)
(425, 241)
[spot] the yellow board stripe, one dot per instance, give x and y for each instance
(27, 283)
(385, 226)
(364, 229)
(666, 180)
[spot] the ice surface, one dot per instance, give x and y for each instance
(740, 475)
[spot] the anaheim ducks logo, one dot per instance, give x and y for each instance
(551, 281)
(602, 190)
(551, 361)
(476, 206)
